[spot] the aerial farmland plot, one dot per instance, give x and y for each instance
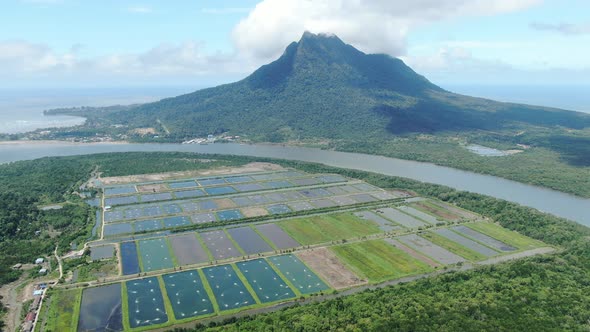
(384, 224)
(177, 221)
(419, 214)
(324, 228)
(278, 209)
(201, 218)
(266, 283)
(229, 215)
(430, 249)
(220, 246)
(304, 280)
(328, 266)
(156, 197)
(230, 292)
(378, 260)
(152, 188)
(187, 294)
(506, 236)
(437, 210)
(249, 240)
(100, 309)
(189, 193)
(363, 198)
(145, 303)
(301, 206)
(211, 182)
(155, 254)
(113, 191)
(129, 260)
(172, 208)
(277, 236)
(182, 185)
(187, 249)
(482, 238)
(112, 216)
(117, 229)
(400, 218)
(220, 190)
(147, 225)
(466, 242)
(241, 242)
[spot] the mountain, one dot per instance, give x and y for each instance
(323, 88)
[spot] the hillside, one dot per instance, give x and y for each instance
(323, 88)
(323, 92)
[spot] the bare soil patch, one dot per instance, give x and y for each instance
(456, 210)
(250, 212)
(439, 212)
(413, 253)
(325, 263)
(144, 131)
(152, 188)
(224, 203)
(248, 168)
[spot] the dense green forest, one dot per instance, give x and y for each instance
(27, 185)
(545, 293)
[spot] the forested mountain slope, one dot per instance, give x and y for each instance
(323, 88)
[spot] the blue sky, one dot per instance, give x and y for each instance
(128, 43)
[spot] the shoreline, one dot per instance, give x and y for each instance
(56, 142)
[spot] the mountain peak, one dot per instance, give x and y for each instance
(321, 35)
(329, 45)
(326, 60)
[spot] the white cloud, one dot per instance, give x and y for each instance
(372, 25)
(457, 65)
(20, 56)
(21, 61)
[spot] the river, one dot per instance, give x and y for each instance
(546, 200)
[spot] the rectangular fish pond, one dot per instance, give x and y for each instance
(227, 287)
(145, 302)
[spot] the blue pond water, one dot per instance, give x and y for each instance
(129, 258)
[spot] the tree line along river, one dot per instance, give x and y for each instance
(546, 200)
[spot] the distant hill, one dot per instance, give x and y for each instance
(323, 88)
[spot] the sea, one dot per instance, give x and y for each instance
(21, 110)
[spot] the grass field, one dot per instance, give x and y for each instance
(326, 228)
(379, 261)
(509, 237)
(63, 311)
(453, 247)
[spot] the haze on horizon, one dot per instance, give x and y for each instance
(74, 43)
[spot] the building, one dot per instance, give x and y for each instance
(17, 266)
(30, 317)
(35, 303)
(43, 271)
(39, 261)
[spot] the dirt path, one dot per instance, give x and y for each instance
(61, 271)
(522, 254)
(13, 302)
